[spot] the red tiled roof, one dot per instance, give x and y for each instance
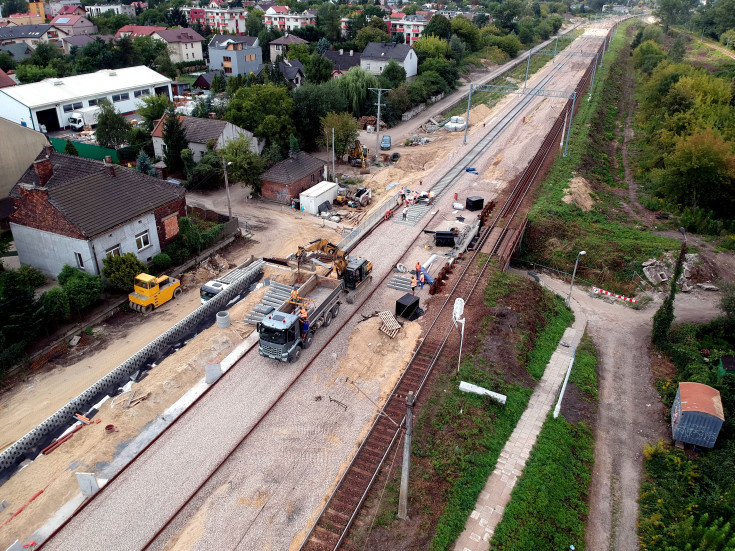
(180, 35)
(139, 30)
(5, 80)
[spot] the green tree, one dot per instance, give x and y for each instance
(246, 166)
(120, 271)
(318, 69)
(27, 73)
(148, 49)
(14, 6)
(17, 326)
(393, 75)
(370, 34)
(653, 32)
(94, 56)
(438, 26)
(174, 138)
(647, 56)
(312, 102)
(112, 127)
(143, 164)
(83, 289)
(267, 111)
(664, 316)
(507, 12)
(110, 23)
(446, 69)
(6, 62)
(293, 145)
(322, 46)
(428, 47)
(467, 32)
(355, 85)
(71, 149)
(299, 51)
(480, 20)
(218, 83)
(668, 12)
(346, 131)
(328, 21)
(457, 47)
(45, 53)
(254, 23)
(151, 108)
(54, 305)
(189, 235)
(727, 302)
(678, 50)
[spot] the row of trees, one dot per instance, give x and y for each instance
(687, 119)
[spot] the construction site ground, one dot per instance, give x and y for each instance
(278, 231)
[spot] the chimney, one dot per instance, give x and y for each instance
(110, 166)
(48, 150)
(44, 171)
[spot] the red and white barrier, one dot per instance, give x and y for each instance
(598, 291)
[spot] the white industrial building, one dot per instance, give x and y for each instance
(46, 105)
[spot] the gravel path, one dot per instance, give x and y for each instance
(276, 485)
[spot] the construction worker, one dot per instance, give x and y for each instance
(294, 294)
(402, 193)
(304, 321)
(422, 279)
(414, 282)
(405, 213)
(303, 314)
(418, 268)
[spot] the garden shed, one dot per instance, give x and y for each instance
(697, 414)
(726, 366)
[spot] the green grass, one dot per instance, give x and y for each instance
(547, 508)
(558, 231)
(188, 78)
(548, 339)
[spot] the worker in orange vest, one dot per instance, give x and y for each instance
(418, 268)
(303, 314)
(294, 294)
(414, 282)
(422, 280)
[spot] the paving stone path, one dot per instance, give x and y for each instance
(495, 495)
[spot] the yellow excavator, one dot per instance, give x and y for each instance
(355, 272)
(358, 156)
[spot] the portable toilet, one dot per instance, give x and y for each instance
(697, 414)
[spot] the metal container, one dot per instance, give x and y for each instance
(697, 415)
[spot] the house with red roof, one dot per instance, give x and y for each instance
(75, 9)
(134, 31)
(74, 25)
(5, 80)
(183, 44)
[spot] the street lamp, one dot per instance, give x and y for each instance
(684, 233)
(569, 298)
(227, 187)
(456, 315)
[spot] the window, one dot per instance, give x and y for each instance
(92, 102)
(80, 260)
(187, 56)
(113, 251)
(68, 108)
(143, 92)
(226, 58)
(142, 240)
(120, 97)
(228, 70)
(78, 105)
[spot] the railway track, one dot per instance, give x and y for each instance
(330, 531)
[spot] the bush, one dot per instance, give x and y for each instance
(33, 277)
(67, 273)
(210, 236)
(82, 288)
(178, 252)
(120, 271)
(55, 305)
(160, 263)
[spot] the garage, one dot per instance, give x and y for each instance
(48, 118)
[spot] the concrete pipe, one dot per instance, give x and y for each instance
(223, 319)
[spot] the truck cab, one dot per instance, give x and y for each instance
(211, 289)
(280, 336)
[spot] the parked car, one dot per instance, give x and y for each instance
(385, 143)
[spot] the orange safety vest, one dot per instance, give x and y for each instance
(418, 267)
(422, 277)
(294, 294)
(303, 314)
(413, 282)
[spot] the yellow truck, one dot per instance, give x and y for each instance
(151, 292)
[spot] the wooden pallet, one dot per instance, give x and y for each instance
(390, 326)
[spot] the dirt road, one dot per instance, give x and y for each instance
(630, 413)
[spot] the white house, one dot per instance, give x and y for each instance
(183, 44)
(117, 9)
(51, 101)
(200, 132)
(220, 19)
(378, 54)
(283, 19)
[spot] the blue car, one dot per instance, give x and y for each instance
(385, 143)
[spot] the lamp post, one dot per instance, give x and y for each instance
(684, 233)
(227, 187)
(456, 315)
(569, 298)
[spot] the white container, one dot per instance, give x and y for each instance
(316, 195)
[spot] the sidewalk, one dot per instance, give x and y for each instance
(495, 495)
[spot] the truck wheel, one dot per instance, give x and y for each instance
(308, 339)
(328, 319)
(335, 310)
(177, 292)
(295, 355)
(147, 309)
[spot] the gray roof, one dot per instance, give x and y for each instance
(219, 39)
(180, 35)
(19, 51)
(293, 169)
(206, 78)
(90, 198)
(82, 40)
(289, 39)
(343, 61)
(23, 31)
(386, 50)
(291, 69)
(202, 130)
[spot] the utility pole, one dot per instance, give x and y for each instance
(334, 174)
(225, 164)
(528, 66)
(403, 496)
(377, 126)
(466, 126)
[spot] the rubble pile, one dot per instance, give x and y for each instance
(693, 274)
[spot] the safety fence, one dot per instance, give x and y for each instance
(372, 220)
(32, 443)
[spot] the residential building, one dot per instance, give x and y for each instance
(25, 19)
(18, 52)
(183, 44)
(140, 5)
(68, 7)
(342, 61)
(410, 26)
(18, 149)
(118, 9)
(219, 19)
(291, 69)
(74, 25)
(281, 45)
(286, 180)
(200, 132)
(204, 81)
(76, 9)
(235, 55)
(134, 31)
(377, 55)
(38, 9)
(49, 103)
(283, 19)
(5, 80)
(80, 41)
(71, 211)
(32, 35)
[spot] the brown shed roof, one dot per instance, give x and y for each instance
(197, 130)
(699, 397)
(292, 169)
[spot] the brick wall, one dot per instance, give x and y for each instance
(283, 193)
(33, 209)
(167, 231)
